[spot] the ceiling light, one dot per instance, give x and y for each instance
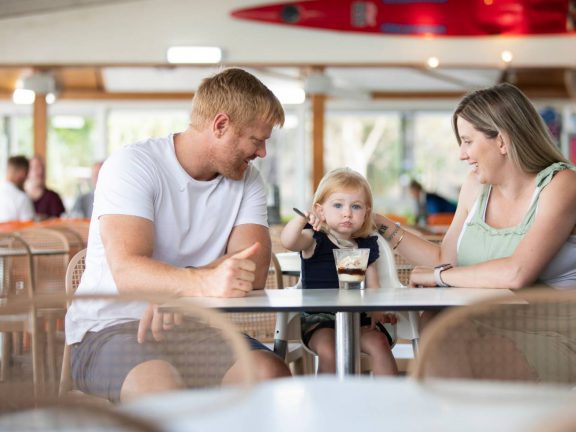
(194, 54)
(50, 98)
(288, 94)
(506, 56)
(23, 96)
(433, 62)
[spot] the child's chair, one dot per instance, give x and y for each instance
(288, 323)
(408, 322)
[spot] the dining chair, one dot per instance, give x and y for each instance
(393, 275)
(288, 324)
(532, 339)
(70, 415)
(74, 239)
(79, 226)
(74, 273)
(200, 365)
(18, 284)
(50, 250)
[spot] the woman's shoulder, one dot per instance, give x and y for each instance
(563, 184)
(470, 190)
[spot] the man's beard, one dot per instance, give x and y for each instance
(233, 170)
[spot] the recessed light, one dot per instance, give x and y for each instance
(194, 54)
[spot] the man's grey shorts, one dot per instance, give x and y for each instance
(102, 360)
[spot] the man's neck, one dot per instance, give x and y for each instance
(192, 152)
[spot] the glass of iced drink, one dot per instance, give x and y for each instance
(351, 267)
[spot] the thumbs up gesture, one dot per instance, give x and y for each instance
(233, 276)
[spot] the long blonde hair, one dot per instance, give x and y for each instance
(346, 179)
(240, 95)
(503, 109)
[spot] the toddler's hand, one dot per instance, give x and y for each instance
(314, 220)
(382, 317)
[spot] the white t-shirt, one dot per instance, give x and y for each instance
(15, 204)
(192, 222)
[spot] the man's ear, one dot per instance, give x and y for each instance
(220, 124)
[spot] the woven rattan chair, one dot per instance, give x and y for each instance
(533, 339)
(75, 241)
(18, 284)
(205, 362)
(50, 255)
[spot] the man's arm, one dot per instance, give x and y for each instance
(246, 235)
(129, 244)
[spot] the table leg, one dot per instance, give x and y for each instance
(347, 343)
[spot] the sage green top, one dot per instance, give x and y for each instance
(479, 242)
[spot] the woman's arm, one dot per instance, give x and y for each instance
(421, 252)
(554, 222)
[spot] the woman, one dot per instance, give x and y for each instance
(516, 218)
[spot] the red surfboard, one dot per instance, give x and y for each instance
(422, 17)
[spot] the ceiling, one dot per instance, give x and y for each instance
(104, 49)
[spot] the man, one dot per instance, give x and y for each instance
(15, 204)
(162, 205)
(47, 203)
(83, 206)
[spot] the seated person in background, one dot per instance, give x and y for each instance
(83, 206)
(162, 205)
(343, 201)
(47, 203)
(15, 204)
(429, 203)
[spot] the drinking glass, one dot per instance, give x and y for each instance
(351, 267)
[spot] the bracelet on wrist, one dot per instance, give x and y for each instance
(399, 240)
(438, 274)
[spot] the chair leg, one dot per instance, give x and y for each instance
(5, 365)
(51, 349)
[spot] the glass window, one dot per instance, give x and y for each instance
(70, 145)
(436, 155)
(369, 143)
(129, 126)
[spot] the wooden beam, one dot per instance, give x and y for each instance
(40, 125)
(101, 95)
(318, 112)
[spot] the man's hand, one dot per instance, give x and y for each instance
(422, 277)
(158, 322)
(234, 276)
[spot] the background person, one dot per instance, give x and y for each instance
(192, 199)
(516, 218)
(428, 203)
(84, 203)
(15, 204)
(343, 201)
(47, 203)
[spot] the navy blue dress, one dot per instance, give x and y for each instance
(319, 271)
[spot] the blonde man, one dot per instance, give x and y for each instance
(186, 213)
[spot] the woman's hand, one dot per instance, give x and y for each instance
(422, 277)
(381, 317)
(158, 322)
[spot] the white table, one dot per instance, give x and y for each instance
(312, 404)
(347, 304)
